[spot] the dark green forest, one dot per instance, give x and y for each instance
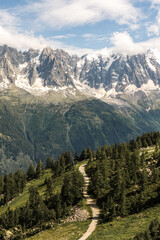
(124, 179)
(32, 128)
(40, 210)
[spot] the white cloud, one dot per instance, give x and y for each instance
(88, 35)
(77, 12)
(155, 2)
(123, 43)
(154, 29)
(64, 13)
(60, 37)
(64, 36)
(8, 20)
(26, 40)
(98, 37)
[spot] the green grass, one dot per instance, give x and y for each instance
(126, 228)
(71, 231)
(65, 231)
(23, 198)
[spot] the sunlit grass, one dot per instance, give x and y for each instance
(126, 228)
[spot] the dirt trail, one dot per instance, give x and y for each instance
(91, 202)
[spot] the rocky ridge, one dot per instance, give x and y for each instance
(97, 75)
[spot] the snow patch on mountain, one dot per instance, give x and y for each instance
(101, 75)
(36, 88)
(146, 87)
(109, 63)
(22, 66)
(151, 66)
(154, 53)
(5, 84)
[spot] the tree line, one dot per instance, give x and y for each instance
(125, 178)
(51, 207)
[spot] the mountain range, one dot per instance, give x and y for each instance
(52, 101)
(39, 71)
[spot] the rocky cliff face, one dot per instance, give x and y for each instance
(40, 71)
(48, 124)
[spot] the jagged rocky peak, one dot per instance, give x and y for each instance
(11, 55)
(47, 53)
(31, 54)
(56, 68)
(107, 75)
(118, 71)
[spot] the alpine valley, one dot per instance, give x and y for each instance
(51, 101)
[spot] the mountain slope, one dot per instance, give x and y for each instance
(52, 101)
(40, 129)
(96, 74)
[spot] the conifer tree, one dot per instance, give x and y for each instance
(1, 184)
(84, 154)
(49, 190)
(39, 169)
(31, 172)
(49, 163)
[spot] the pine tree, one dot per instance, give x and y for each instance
(39, 169)
(1, 185)
(7, 187)
(58, 206)
(49, 190)
(113, 212)
(68, 160)
(84, 154)
(31, 172)
(49, 163)
(76, 157)
(34, 197)
(89, 153)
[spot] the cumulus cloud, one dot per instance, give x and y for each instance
(26, 40)
(153, 30)
(123, 43)
(64, 13)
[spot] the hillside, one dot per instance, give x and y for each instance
(45, 200)
(128, 197)
(32, 127)
(87, 101)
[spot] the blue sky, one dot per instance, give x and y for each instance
(81, 25)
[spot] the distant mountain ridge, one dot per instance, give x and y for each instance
(97, 75)
(52, 101)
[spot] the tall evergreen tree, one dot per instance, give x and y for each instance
(39, 169)
(31, 172)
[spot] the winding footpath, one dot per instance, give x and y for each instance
(91, 203)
